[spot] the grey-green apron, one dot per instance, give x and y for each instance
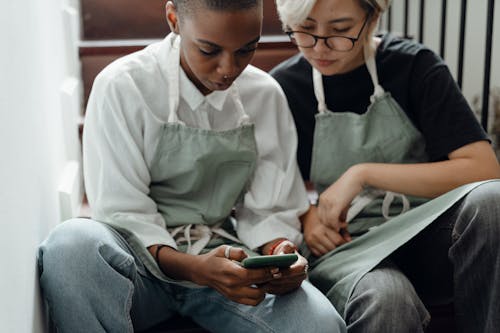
(198, 175)
(383, 134)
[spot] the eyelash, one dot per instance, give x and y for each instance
(209, 53)
(342, 30)
(214, 53)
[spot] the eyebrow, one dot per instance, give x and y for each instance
(253, 41)
(339, 20)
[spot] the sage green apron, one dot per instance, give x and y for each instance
(383, 134)
(197, 176)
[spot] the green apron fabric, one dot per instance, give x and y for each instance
(383, 134)
(337, 272)
(198, 175)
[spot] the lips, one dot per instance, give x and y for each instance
(324, 62)
(221, 85)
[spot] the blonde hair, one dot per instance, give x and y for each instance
(293, 12)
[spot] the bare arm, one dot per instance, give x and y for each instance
(472, 162)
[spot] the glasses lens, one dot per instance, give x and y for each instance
(339, 43)
(302, 39)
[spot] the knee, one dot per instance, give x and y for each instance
(386, 296)
(320, 316)
(484, 197)
(479, 212)
(72, 250)
(69, 240)
(381, 298)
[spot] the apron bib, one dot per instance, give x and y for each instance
(383, 134)
(197, 176)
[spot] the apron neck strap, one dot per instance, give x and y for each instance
(369, 55)
(319, 91)
(174, 74)
(369, 51)
(174, 87)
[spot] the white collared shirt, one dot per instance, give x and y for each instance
(126, 110)
(206, 112)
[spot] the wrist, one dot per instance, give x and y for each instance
(360, 173)
(172, 263)
(270, 247)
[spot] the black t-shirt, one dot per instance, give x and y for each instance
(414, 75)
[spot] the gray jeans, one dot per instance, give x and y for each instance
(93, 282)
(456, 259)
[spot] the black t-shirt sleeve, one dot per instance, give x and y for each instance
(440, 110)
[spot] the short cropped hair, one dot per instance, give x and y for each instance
(293, 12)
(186, 7)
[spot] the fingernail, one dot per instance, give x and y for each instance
(276, 276)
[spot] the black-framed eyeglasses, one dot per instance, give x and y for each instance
(333, 42)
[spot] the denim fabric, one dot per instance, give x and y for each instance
(455, 259)
(92, 282)
(381, 299)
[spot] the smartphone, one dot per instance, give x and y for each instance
(280, 260)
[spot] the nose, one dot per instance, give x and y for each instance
(321, 46)
(228, 65)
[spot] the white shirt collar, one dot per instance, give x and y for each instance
(194, 98)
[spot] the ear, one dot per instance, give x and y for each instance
(172, 19)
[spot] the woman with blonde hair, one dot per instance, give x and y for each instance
(408, 210)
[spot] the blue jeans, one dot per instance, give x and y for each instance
(456, 259)
(92, 282)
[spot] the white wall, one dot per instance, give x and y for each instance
(36, 61)
(475, 37)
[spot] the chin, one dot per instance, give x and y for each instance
(327, 71)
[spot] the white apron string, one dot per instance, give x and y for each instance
(199, 234)
(369, 53)
(319, 91)
(367, 196)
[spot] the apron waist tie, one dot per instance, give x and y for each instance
(199, 234)
(365, 198)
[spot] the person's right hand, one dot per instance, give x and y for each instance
(335, 201)
(319, 237)
(229, 278)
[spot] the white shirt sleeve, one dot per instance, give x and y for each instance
(116, 174)
(277, 195)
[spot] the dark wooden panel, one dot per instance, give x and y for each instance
(123, 19)
(139, 19)
(272, 24)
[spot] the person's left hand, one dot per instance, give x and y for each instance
(291, 277)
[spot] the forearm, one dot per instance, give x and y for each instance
(174, 264)
(428, 179)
